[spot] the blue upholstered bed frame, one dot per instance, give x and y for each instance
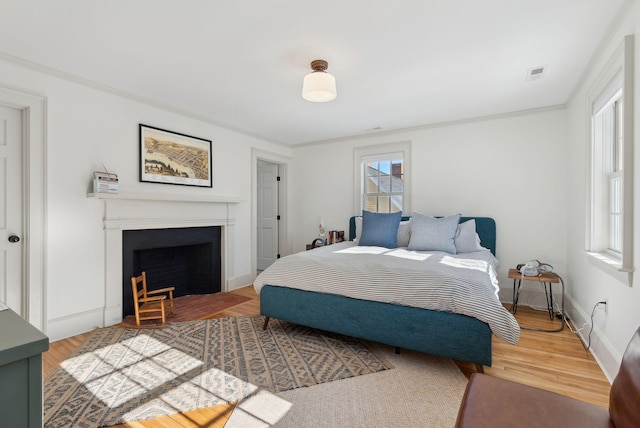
(445, 334)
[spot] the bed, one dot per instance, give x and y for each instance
(289, 295)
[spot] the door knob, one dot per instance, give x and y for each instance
(14, 238)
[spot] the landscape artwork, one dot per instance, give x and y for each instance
(173, 158)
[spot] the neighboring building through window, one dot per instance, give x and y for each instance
(381, 175)
(383, 188)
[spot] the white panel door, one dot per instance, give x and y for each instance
(267, 218)
(11, 220)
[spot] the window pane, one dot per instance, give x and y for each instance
(383, 204)
(617, 143)
(396, 204)
(384, 183)
(397, 169)
(615, 240)
(385, 167)
(615, 210)
(371, 169)
(614, 191)
(371, 203)
(397, 177)
(371, 185)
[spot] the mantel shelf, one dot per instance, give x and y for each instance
(170, 197)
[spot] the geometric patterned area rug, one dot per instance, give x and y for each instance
(121, 375)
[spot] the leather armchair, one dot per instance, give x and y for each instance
(496, 403)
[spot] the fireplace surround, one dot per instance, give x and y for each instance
(124, 212)
(187, 258)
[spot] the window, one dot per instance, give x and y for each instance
(381, 175)
(611, 202)
(607, 175)
(383, 187)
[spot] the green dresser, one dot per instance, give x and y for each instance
(21, 348)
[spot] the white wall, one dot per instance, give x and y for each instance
(511, 168)
(591, 282)
(86, 127)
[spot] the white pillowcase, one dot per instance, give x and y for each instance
(404, 233)
(466, 239)
(358, 229)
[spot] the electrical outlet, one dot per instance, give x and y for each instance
(604, 304)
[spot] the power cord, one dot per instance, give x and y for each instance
(563, 317)
(602, 302)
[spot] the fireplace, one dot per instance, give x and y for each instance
(187, 258)
(133, 212)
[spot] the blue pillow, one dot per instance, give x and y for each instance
(380, 229)
(433, 233)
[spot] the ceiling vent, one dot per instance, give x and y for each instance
(536, 73)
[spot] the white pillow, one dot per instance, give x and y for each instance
(358, 229)
(466, 239)
(404, 232)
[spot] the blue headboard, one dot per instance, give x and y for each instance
(485, 226)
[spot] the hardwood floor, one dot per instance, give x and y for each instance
(552, 361)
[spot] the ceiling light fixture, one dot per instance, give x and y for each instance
(319, 86)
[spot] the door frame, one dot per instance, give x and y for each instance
(34, 109)
(285, 164)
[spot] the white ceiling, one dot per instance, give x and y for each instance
(240, 63)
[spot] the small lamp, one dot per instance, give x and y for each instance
(319, 86)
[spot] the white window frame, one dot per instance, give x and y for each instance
(615, 84)
(382, 152)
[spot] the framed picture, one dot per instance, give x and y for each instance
(173, 158)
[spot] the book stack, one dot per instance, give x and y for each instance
(335, 236)
(105, 182)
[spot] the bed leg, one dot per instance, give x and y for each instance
(479, 368)
(266, 323)
(397, 350)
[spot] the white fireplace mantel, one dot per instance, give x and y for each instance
(169, 197)
(125, 211)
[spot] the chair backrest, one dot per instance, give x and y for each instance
(139, 284)
(624, 399)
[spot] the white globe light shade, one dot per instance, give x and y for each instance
(319, 87)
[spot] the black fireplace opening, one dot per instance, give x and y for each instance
(188, 259)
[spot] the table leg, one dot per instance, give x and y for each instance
(516, 294)
(549, 298)
(551, 312)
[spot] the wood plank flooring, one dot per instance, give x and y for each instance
(552, 361)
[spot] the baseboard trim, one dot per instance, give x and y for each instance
(71, 325)
(239, 282)
(603, 352)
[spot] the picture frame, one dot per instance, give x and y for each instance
(169, 157)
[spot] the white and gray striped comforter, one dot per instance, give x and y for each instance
(463, 283)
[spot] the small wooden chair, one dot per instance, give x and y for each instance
(151, 304)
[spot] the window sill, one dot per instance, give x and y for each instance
(610, 265)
